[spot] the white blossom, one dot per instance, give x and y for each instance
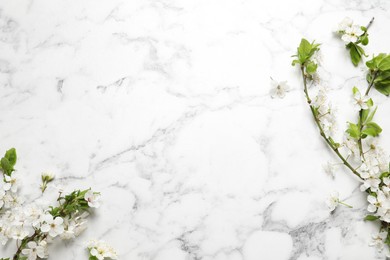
(352, 148)
(47, 176)
(344, 24)
(4, 232)
(2, 194)
(11, 200)
(33, 251)
(376, 202)
(328, 123)
(370, 177)
(359, 101)
(329, 168)
(321, 97)
(378, 240)
(101, 250)
(352, 34)
(375, 155)
(10, 183)
(93, 199)
(18, 232)
(34, 215)
(279, 89)
(73, 227)
(349, 32)
(53, 227)
(333, 201)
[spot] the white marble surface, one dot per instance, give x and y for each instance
(164, 107)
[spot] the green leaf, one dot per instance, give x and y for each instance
(304, 50)
(364, 115)
(334, 144)
(384, 175)
(370, 103)
(11, 156)
(353, 130)
(371, 116)
(355, 90)
(383, 77)
(360, 50)
(384, 64)
(372, 129)
(294, 62)
(384, 89)
(355, 54)
(373, 64)
(6, 166)
(371, 218)
(369, 77)
(311, 68)
(364, 39)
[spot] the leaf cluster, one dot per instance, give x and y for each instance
(8, 162)
(379, 73)
(71, 203)
(305, 51)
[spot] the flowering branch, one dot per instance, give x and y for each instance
(370, 162)
(33, 227)
(310, 49)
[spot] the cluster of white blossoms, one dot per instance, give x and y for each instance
(101, 250)
(35, 224)
(326, 114)
(349, 32)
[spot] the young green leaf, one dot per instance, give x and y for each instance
(371, 218)
(304, 51)
(384, 175)
(372, 129)
(6, 166)
(355, 90)
(364, 116)
(364, 39)
(294, 62)
(353, 130)
(11, 156)
(311, 68)
(354, 53)
(371, 116)
(384, 64)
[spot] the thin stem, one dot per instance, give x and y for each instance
(345, 204)
(370, 23)
(371, 83)
(23, 243)
(361, 123)
(327, 140)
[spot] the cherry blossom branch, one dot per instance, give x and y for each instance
(322, 133)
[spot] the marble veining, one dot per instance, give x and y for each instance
(164, 107)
